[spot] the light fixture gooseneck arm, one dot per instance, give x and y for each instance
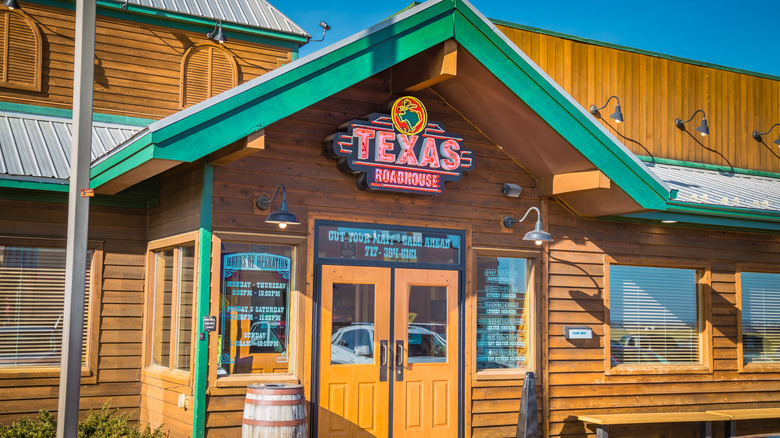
(593, 107)
(757, 135)
(508, 221)
(694, 115)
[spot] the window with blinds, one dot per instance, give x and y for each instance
(21, 52)
(172, 295)
(206, 71)
(653, 315)
(760, 317)
(32, 295)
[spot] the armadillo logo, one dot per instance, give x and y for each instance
(409, 115)
(401, 151)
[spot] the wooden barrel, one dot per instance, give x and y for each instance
(274, 410)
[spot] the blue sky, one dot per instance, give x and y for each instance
(738, 34)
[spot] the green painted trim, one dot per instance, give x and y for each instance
(555, 109)
(191, 23)
(632, 49)
(204, 275)
(68, 114)
(57, 197)
(697, 221)
(62, 187)
(694, 165)
(125, 160)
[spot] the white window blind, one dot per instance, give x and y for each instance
(653, 315)
(32, 291)
(760, 317)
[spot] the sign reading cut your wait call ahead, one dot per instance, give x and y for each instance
(401, 151)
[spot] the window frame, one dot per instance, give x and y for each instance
(89, 368)
(751, 367)
(170, 372)
(533, 327)
(704, 317)
(296, 311)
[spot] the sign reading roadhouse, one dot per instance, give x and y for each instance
(402, 151)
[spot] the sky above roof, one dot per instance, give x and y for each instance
(741, 35)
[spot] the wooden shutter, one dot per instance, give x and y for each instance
(21, 52)
(206, 71)
(32, 291)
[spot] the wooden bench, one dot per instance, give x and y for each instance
(745, 414)
(603, 421)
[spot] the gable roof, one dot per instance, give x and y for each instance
(254, 13)
(493, 68)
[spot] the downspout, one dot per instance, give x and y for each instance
(204, 274)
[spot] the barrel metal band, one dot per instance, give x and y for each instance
(275, 391)
(271, 423)
(253, 401)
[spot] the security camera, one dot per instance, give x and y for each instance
(511, 190)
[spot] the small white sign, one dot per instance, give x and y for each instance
(578, 333)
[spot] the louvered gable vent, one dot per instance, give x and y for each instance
(206, 71)
(20, 52)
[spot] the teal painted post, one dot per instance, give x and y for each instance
(204, 271)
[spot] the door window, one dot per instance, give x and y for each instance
(427, 335)
(352, 324)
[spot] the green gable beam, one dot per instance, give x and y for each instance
(125, 160)
(553, 107)
(257, 107)
(68, 114)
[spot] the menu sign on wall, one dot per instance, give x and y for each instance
(501, 318)
(401, 151)
(255, 293)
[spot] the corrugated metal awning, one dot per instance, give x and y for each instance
(713, 187)
(255, 13)
(38, 146)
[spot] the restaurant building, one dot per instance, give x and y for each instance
(409, 220)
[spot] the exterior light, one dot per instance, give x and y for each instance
(12, 4)
(703, 129)
(538, 235)
(325, 27)
(757, 135)
(217, 34)
(617, 115)
(282, 216)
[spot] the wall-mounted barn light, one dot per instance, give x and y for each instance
(617, 116)
(12, 4)
(538, 235)
(281, 216)
(703, 128)
(217, 34)
(757, 135)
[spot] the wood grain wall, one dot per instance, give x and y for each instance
(654, 91)
(116, 380)
(137, 67)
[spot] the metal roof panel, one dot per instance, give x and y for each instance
(713, 187)
(33, 145)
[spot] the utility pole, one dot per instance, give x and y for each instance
(78, 220)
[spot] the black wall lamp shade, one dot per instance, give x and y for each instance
(282, 217)
(12, 4)
(538, 235)
(703, 128)
(217, 34)
(617, 116)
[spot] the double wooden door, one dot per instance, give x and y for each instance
(388, 352)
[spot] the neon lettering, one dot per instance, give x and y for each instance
(384, 145)
(429, 155)
(452, 158)
(407, 143)
(364, 135)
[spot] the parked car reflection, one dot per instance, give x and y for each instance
(354, 344)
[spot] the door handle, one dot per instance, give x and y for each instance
(399, 361)
(384, 352)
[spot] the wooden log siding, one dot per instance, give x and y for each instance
(116, 380)
(137, 66)
(653, 91)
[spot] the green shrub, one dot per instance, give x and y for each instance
(105, 423)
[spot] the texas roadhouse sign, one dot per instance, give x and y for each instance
(401, 151)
